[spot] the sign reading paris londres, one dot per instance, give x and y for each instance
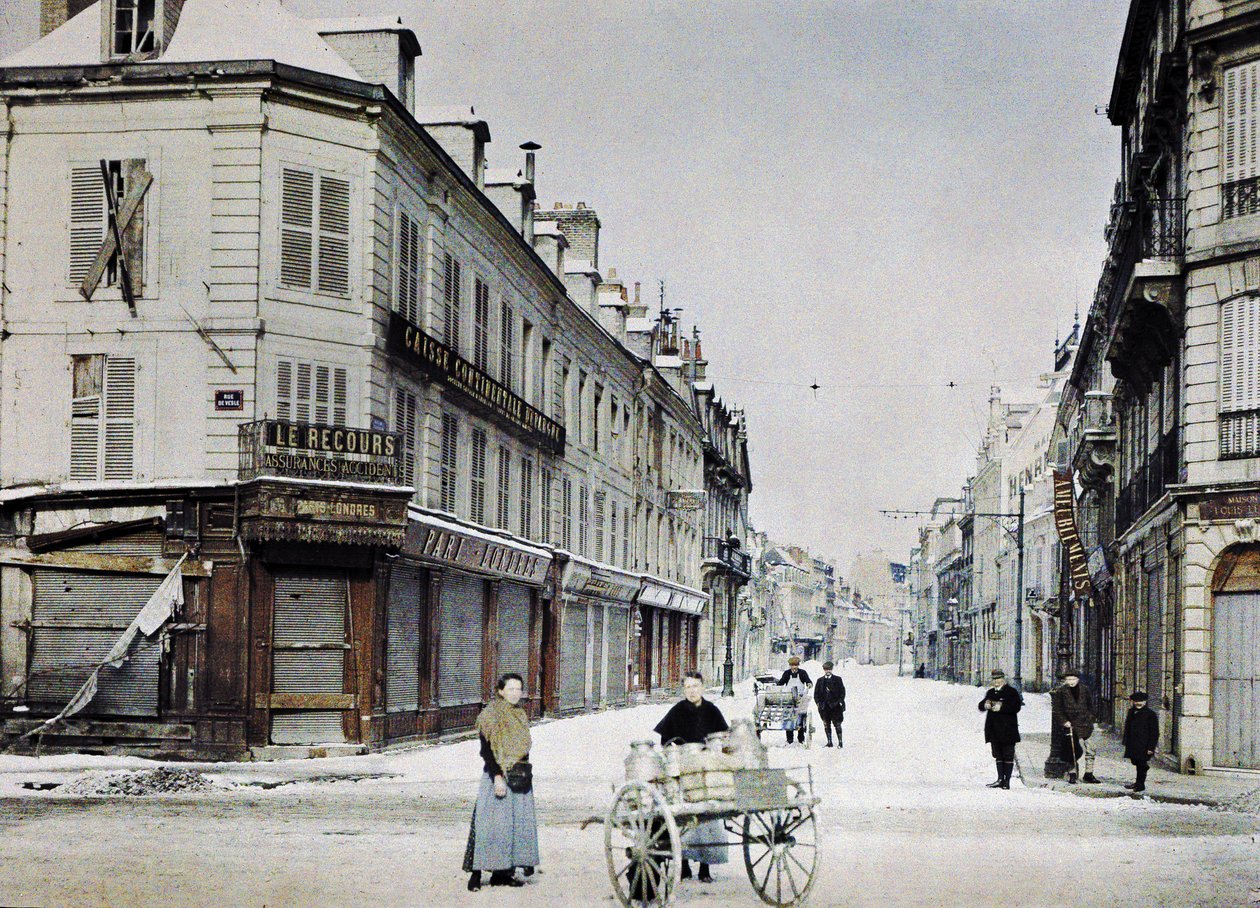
(443, 364)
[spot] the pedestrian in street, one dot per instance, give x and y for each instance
(921, 671)
(829, 698)
(1141, 735)
(504, 833)
(691, 720)
(1001, 705)
(1071, 723)
(797, 680)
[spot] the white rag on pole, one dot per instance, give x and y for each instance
(156, 612)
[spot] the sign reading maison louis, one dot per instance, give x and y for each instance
(443, 364)
(272, 447)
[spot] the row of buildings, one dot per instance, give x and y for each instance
(273, 329)
(1155, 432)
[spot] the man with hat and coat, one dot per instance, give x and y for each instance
(1141, 735)
(797, 679)
(829, 698)
(1001, 705)
(1072, 722)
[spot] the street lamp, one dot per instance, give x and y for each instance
(728, 667)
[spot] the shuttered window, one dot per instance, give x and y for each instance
(103, 418)
(405, 425)
(527, 498)
(583, 519)
(507, 347)
(314, 231)
(625, 541)
(1240, 160)
(477, 484)
(503, 502)
(481, 325)
(311, 392)
(599, 525)
(89, 221)
(407, 303)
(566, 520)
(451, 272)
(1240, 377)
(546, 509)
(612, 532)
(450, 452)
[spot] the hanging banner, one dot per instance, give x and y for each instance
(1065, 522)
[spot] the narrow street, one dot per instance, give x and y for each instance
(906, 820)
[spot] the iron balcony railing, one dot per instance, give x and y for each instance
(1147, 484)
(1138, 230)
(1240, 198)
(731, 556)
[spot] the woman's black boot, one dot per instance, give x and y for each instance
(474, 881)
(505, 878)
(704, 874)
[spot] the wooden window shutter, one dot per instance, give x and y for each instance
(334, 236)
(284, 390)
(583, 518)
(297, 210)
(599, 526)
(405, 425)
(507, 357)
(503, 504)
(340, 396)
(450, 300)
(1240, 354)
(527, 497)
(120, 417)
(566, 520)
(85, 416)
(477, 491)
(481, 325)
(408, 304)
(302, 393)
(87, 219)
(1241, 107)
(450, 452)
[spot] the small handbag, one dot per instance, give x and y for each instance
(520, 778)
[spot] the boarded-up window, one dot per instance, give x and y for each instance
(311, 392)
(405, 425)
(408, 302)
(314, 231)
(133, 32)
(451, 278)
(103, 418)
(450, 452)
(89, 221)
(477, 483)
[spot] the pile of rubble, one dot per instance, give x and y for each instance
(135, 783)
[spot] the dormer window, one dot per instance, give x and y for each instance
(133, 28)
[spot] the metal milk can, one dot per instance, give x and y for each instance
(745, 745)
(644, 764)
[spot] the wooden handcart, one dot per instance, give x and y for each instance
(783, 709)
(770, 816)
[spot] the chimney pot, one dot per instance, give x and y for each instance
(581, 206)
(636, 293)
(612, 274)
(559, 206)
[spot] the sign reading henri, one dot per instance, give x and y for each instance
(440, 363)
(1065, 522)
(308, 451)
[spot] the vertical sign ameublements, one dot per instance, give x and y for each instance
(1065, 522)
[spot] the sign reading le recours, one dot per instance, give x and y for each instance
(310, 451)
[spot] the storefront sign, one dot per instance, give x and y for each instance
(275, 510)
(1065, 522)
(686, 499)
(659, 596)
(441, 363)
(1234, 506)
(459, 550)
(581, 579)
(310, 451)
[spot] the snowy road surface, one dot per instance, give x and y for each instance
(906, 820)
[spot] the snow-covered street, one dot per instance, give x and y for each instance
(905, 820)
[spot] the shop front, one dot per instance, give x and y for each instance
(464, 606)
(669, 617)
(594, 653)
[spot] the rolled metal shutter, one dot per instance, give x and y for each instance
(514, 613)
(77, 618)
(659, 681)
(618, 650)
(597, 653)
(309, 653)
(462, 635)
(402, 628)
(572, 680)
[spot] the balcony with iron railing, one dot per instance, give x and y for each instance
(1157, 471)
(728, 555)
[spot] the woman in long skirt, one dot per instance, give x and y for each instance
(504, 834)
(691, 720)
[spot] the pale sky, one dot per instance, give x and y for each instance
(882, 197)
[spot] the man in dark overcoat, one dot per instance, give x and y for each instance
(1141, 735)
(829, 697)
(1072, 722)
(1001, 705)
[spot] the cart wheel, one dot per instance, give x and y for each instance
(643, 847)
(781, 854)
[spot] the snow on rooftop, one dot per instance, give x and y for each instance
(503, 176)
(208, 31)
(547, 228)
(579, 266)
(342, 24)
(458, 114)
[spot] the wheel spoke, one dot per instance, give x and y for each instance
(798, 863)
(765, 854)
(796, 893)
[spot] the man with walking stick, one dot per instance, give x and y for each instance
(1072, 721)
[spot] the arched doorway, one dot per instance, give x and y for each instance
(1236, 659)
